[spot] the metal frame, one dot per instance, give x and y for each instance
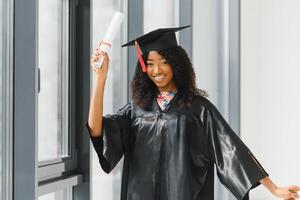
(82, 95)
(186, 18)
(25, 88)
(66, 150)
(59, 184)
(7, 105)
(135, 28)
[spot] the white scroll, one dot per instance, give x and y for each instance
(106, 43)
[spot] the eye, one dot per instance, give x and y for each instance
(165, 62)
(149, 64)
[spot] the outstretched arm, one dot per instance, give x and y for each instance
(287, 193)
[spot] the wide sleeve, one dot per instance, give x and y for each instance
(237, 168)
(115, 138)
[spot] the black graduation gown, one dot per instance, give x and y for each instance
(170, 154)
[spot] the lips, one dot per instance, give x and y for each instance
(159, 78)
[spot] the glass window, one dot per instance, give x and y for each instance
(65, 194)
(53, 93)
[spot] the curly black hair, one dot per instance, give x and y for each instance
(144, 90)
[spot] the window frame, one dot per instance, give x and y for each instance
(7, 99)
(30, 181)
(54, 168)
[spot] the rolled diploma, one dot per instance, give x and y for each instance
(105, 44)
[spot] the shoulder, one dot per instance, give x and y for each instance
(125, 110)
(204, 107)
(201, 102)
(131, 109)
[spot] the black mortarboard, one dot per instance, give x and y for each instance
(156, 40)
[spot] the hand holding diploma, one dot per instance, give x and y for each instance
(106, 43)
(100, 72)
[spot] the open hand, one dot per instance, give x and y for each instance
(287, 193)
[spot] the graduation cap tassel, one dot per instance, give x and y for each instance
(139, 54)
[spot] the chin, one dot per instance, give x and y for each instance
(160, 85)
(163, 87)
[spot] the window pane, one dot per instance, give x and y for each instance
(53, 68)
(65, 194)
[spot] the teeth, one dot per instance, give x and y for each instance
(159, 78)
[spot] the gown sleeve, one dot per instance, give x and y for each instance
(236, 166)
(115, 138)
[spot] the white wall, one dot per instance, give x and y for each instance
(160, 14)
(270, 87)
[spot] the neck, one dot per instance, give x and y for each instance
(168, 89)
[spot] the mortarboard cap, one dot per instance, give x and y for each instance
(156, 40)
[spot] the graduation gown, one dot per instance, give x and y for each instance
(171, 154)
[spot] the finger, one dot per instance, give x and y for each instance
(103, 53)
(94, 59)
(95, 56)
(97, 53)
(294, 188)
(294, 195)
(96, 68)
(106, 58)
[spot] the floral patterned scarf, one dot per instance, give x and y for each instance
(164, 98)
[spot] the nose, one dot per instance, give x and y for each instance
(157, 69)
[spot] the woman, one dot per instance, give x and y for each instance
(171, 135)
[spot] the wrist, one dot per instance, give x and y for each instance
(273, 189)
(268, 183)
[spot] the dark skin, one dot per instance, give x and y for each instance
(160, 72)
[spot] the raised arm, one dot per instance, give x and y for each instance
(96, 104)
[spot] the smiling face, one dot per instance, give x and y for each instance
(160, 72)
